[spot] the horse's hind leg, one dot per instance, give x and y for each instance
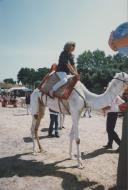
(33, 134)
(36, 134)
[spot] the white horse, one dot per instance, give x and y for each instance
(79, 98)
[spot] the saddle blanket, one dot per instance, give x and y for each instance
(63, 92)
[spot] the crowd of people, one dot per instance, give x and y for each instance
(8, 98)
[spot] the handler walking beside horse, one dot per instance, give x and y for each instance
(111, 123)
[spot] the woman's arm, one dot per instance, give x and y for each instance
(72, 69)
(75, 68)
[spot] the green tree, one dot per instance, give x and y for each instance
(41, 72)
(24, 75)
(29, 76)
(97, 69)
(10, 81)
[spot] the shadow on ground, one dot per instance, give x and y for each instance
(97, 153)
(21, 114)
(15, 165)
(29, 139)
(44, 129)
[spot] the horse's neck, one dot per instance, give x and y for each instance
(115, 88)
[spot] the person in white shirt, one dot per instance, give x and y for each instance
(112, 115)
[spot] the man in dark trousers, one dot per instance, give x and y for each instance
(111, 122)
(53, 121)
(27, 101)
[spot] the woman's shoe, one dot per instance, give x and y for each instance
(118, 150)
(108, 146)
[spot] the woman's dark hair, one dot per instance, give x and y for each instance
(68, 45)
(53, 67)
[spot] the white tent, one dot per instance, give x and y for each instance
(18, 88)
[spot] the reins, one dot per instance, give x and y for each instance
(80, 96)
(66, 108)
(124, 81)
(121, 80)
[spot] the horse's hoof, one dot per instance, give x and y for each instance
(35, 153)
(80, 166)
(72, 157)
(42, 151)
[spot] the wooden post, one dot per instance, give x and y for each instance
(122, 171)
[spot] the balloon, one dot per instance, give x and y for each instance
(118, 40)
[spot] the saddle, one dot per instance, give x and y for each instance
(63, 92)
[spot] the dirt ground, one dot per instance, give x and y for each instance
(52, 170)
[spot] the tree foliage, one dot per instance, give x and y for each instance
(9, 81)
(29, 76)
(97, 69)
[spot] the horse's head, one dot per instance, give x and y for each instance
(122, 77)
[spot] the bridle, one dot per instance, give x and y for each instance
(124, 81)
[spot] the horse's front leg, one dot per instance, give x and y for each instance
(71, 143)
(75, 119)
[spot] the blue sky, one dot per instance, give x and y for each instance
(33, 32)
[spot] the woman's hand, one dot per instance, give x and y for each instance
(77, 76)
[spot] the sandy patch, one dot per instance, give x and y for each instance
(52, 170)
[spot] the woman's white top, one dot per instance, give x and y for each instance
(115, 104)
